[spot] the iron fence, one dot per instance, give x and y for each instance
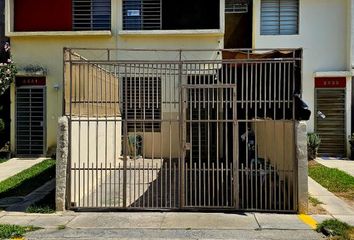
(212, 133)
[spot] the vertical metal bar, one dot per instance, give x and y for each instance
(242, 186)
(227, 183)
(139, 183)
(186, 181)
(217, 145)
(204, 185)
(209, 140)
(125, 138)
(213, 183)
(182, 125)
(251, 175)
(195, 186)
(129, 203)
(222, 184)
(119, 188)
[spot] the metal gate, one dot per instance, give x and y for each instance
(182, 134)
(30, 121)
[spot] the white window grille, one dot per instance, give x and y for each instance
(279, 17)
(91, 15)
(236, 6)
(142, 14)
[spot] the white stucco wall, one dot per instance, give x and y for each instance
(324, 35)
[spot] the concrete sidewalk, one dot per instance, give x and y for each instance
(335, 206)
(344, 165)
(155, 225)
(16, 165)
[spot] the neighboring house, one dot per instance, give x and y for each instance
(241, 151)
(4, 99)
(2, 21)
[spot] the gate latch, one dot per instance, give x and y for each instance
(188, 146)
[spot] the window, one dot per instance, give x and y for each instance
(279, 17)
(91, 14)
(142, 14)
(171, 15)
(142, 101)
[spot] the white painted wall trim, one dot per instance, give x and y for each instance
(59, 33)
(142, 33)
(334, 74)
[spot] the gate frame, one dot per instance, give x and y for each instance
(182, 140)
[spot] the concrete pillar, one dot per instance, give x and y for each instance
(62, 161)
(302, 165)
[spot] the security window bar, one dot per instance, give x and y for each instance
(91, 15)
(142, 103)
(142, 14)
(236, 6)
(279, 17)
(30, 121)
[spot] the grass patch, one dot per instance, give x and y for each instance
(61, 227)
(12, 231)
(336, 229)
(28, 180)
(45, 205)
(314, 201)
(2, 160)
(336, 181)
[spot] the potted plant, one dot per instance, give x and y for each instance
(5, 151)
(135, 144)
(313, 143)
(351, 142)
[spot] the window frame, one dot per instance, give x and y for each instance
(93, 19)
(279, 33)
(192, 31)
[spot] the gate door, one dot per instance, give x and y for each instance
(209, 146)
(330, 101)
(30, 119)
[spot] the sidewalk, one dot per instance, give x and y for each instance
(155, 225)
(335, 206)
(16, 165)
(344, 165)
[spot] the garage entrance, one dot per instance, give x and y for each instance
(182, 134)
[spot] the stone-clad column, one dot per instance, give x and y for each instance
(62, 161)
(302, 165)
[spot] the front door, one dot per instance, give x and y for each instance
(30, 121)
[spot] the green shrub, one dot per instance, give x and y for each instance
(313, 143)
(336, 228)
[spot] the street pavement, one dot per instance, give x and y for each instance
(167, 225)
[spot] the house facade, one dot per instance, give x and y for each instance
(177, 105)
(39, 40)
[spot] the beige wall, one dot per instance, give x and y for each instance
(46, 49)
(48, 53)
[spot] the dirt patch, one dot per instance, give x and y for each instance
(316, 209)
(312, 163)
